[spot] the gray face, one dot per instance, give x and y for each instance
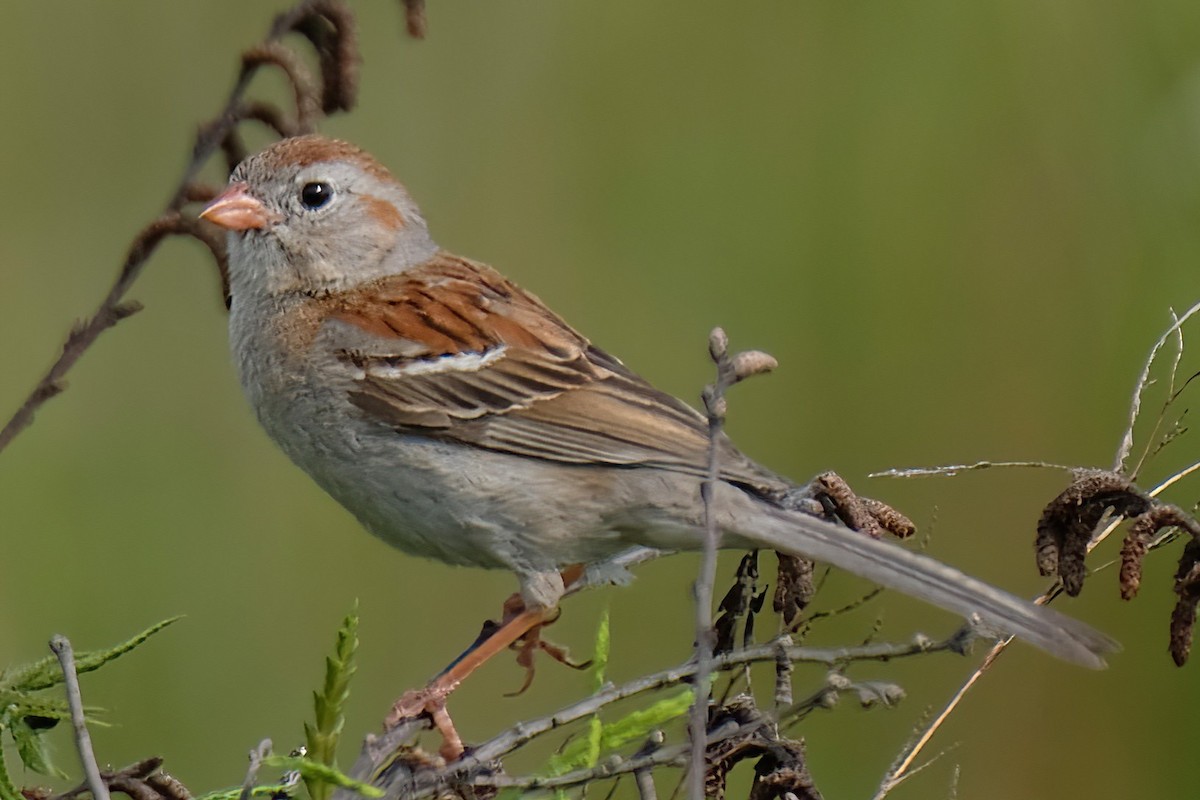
(331, 224)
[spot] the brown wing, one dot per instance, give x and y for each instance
(454, 351)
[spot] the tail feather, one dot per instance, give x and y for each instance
(927, 579)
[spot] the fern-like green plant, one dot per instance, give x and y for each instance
(604, 737)
(322, 775)
(317, 767)
(27, 710)
(329, 704)
(308, 769)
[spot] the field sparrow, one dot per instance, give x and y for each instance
(461, 419)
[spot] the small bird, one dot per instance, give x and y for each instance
(460, 419)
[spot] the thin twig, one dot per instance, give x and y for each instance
(256, 759)
(714, 403)
(303, 86)
(1150, 448)
(1126, 445)
(522, 733)
(209, 141)
(898, 773)
(729, 372)
(83, 741)
(140, 780)
(1172, 479)
(644, 778)
(904, 765)
(676, 756)
(926, 764)
(783, 674)
(950, 470)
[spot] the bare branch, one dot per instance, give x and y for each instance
(951, 470)
(901, 770)
(305, 89)
(141, 780)
(1126, 446)
(644, 778)
(1077, 521)
(334, 35)
(714, 404)
(328, 25)
(730, 370)
(421, 779)
(256, 758)
(83, 740)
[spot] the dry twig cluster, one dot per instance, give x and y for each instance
(1083, 515)
(1097, 501)
(1097, 497)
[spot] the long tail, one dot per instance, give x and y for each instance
(926, 579)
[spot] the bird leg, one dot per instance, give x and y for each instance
(431, 698)
(518, 629)
(532, 642)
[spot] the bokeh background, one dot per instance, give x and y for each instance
(959, 226)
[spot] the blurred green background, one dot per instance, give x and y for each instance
(959, 226)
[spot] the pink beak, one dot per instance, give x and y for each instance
(236, 210)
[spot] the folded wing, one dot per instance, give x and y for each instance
(484, 363)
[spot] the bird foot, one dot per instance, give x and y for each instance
(530, 644)
(429, 700)
(519, 629)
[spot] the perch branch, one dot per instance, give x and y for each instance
(481, 757)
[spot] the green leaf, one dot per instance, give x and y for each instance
(33, 750)
(330, 703)
(311, 771)
(18, 705)
(579, 753)
(637, 725)
(7, 790)
(585, 751)
(270, 790)
(600, 659)
(18, 702)
(46, 672)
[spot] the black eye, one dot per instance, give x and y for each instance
(316, 194)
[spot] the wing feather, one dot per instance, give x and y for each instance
(487, 364)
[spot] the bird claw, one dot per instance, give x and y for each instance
(430, 700)
(531, 643)
(411, 704)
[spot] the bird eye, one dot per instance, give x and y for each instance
(316, 194)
